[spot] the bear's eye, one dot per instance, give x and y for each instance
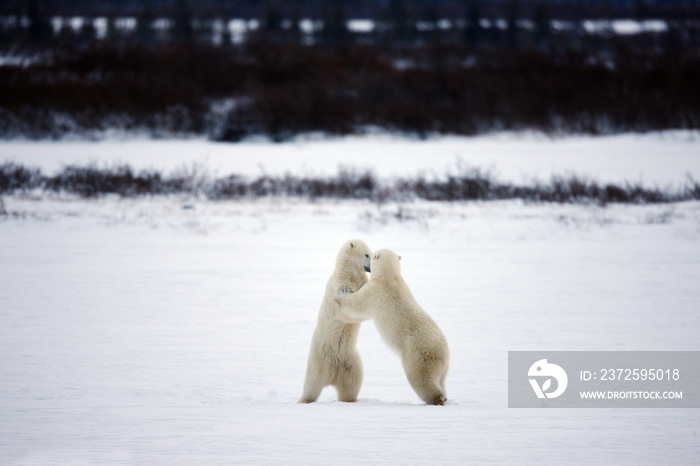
(367, 255)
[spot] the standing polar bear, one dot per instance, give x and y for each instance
(403, 324)
(333, 357)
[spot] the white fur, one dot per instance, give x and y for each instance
(403, 324)
(333, 357)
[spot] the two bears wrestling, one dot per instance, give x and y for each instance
(405, 327)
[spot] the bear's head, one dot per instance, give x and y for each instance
(357, 252)
(385, 263)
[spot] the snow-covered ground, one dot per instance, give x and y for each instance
(654, 159)
(175, 330)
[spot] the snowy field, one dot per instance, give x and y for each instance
(656, 159)
(173, 330)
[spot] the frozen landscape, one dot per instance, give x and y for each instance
(175, 330)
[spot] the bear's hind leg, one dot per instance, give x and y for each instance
(428, 385)
(429, 391)
(349, 380)
(442, 382)
(313, 385)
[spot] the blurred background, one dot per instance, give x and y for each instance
(233, 69)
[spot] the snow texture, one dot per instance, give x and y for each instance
(654, 159)
(174, 330)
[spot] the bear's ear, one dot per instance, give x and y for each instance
(352, 245)
(399, 257)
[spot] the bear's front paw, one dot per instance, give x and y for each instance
(339, 295)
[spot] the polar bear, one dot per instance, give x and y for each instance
(333, 357)
(403, 324)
